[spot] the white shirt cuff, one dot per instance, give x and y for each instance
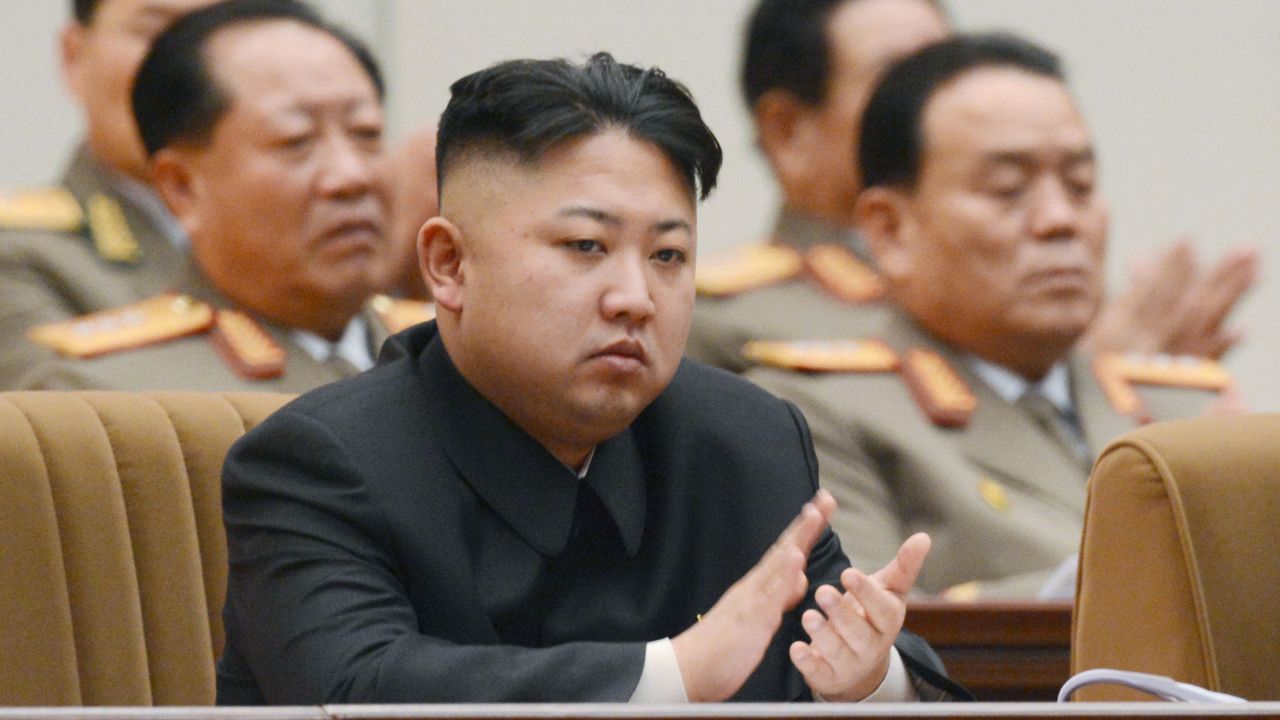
(896, 686)
(660, 680)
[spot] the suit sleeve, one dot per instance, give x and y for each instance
(317, 611)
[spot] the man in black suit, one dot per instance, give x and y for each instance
(533, 498)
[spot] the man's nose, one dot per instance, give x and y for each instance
(1055, 211)
(627, 296)
(347, 168)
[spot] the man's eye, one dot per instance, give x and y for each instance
(294, 142)
(586, 246)
(670, 255)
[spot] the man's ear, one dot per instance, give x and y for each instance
(784, 129)
(883, 217)
(178, 187)
(71, 42)
(440, 253)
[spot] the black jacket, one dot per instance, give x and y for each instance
(395, 538)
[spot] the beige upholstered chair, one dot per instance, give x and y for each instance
(1180, 560)
(112, 551)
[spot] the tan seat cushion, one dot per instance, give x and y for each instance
(1180, 559)
(113, 561)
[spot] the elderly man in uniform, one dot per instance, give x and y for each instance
(808, 68)
(971, 416)
(102, 238)
(534, 498)
(264, 127)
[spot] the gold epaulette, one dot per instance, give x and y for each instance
(1118, 373)
(250, 351)
(843, 274)
(151, 321)
(112, 238)
(397, 314)
(938, 389)
(51, 209)
(747, 268)
(860, 356)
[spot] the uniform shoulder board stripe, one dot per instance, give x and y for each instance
(747, 268)
(112, 237)
(938, 389)
(843, 274)
(398, 314)
(250, 351)
(858, 356)
(52, 209)
(1109, 369)
(158, 319)
(1175, 371)
(1118, 373)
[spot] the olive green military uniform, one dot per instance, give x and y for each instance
(85, 247)
(1001, 498)
(193, 363)
(798, 307)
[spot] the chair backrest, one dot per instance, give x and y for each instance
(1180, 558)
(112, 549)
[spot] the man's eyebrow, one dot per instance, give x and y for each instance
(605, 218)
(1026, 157)
(590, 213)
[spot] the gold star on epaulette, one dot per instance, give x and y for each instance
(855, 356)
(151, 321)
(51, 209)
(747, 268)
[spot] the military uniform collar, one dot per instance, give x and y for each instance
(802, 231)
(1055, 386)
(517, 477)
(353, 346)
(361, 329)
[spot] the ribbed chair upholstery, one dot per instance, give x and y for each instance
(112, 550)
(1180, 558)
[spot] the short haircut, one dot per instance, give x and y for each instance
(83, 10)
(891, 140)
(526, 107)
(176, 99)
(787, 47)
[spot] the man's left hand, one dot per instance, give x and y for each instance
(847, 655)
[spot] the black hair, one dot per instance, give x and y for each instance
(83, 10)
(175, 97)
(891, 140)
(787, 47)
(527, 107)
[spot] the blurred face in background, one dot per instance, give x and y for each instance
(817, 163)
(998, 248)
(99, 61)
(285, 205)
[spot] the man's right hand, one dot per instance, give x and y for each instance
(721, 651)
(1172, 307)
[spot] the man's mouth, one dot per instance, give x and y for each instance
(626, 355)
